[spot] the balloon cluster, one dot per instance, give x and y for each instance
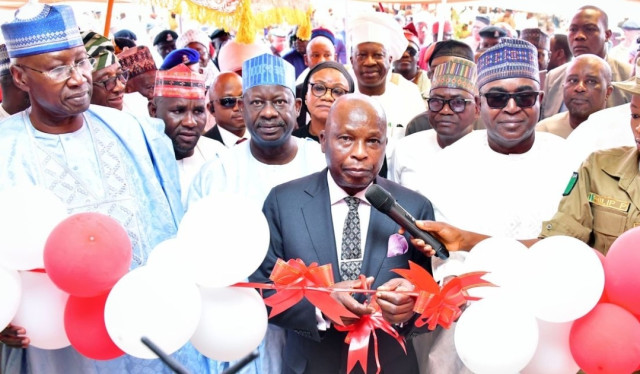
(77, 269)
(561, 306)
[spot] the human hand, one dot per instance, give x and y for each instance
(349, 302)
(396, 307)
(14, 336)
(453, 238)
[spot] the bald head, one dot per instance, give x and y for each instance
(224, 93)
(319, 49)
(587, 85)
(354, 141)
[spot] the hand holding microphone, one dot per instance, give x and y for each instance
(382, 200)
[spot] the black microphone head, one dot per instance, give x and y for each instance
(380, 198)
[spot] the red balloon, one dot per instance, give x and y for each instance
(87, 253)
(606, 340)
(86, 330)
(622, 283)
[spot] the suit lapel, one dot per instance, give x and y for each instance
(319, 223)
(380, 227)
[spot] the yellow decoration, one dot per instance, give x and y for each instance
(246, 18)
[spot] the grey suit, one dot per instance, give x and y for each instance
(299, 216)
(553, 96)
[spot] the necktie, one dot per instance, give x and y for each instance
(351, 254)
(240, 140)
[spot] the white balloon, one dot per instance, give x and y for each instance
(495, 336)
(567, 280)
(29, 213)
(505, 260)
(233, 323)
(226, 238)
(154, 304)
(170, 256)
(553, 355)
(11, 287)
(41, 311)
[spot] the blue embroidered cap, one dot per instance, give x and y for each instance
(510, 58)
(4, 60)
(53, 29)
(176, 57)
(268, 69)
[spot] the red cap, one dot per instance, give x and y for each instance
(447, 27)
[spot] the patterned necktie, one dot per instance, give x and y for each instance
(351, 254)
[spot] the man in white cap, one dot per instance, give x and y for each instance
(199, 40)
(93, 158)
(270, 157)
(377, 41)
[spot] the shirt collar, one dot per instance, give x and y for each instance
(337, 194)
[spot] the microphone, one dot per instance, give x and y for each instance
(382, 200)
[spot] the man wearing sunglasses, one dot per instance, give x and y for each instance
(109, 79)
(224, 110)
(93, 158)
(502, 181)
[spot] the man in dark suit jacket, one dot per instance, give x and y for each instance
(224, 94)
(301, 216)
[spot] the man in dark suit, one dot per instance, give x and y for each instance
(224, 94)
(306, 221)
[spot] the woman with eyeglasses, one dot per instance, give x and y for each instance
(323, 85)
(109, 79)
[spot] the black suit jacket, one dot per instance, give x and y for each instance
(214, 133)
(300, 221)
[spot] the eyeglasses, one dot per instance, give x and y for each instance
(457, 104)
(230, 101)
(63, 72)
(499, 100)
(319, 90)
(110, 83)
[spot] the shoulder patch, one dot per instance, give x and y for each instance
(571, 184)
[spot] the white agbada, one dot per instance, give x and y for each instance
(136, 104)
(410, 155)
(477, 189)
(206, 150)
(237, 171)
(480, 190)
(3, 113)
(606, 128)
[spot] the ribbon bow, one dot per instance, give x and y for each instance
(359, 333)
(436, 306)
(293, 280)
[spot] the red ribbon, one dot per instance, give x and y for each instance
(293, 281)
(436, 306)
(359, 333)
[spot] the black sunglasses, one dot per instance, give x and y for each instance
(499, 100)
(230, 101)
(110, 83)
(456, 104)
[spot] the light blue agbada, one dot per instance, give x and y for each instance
(117, 165)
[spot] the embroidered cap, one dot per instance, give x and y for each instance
(379, 28)
(455, 73)
(179, 81)
(137, 60)
(100, 48)
(510, 58)
(4, 60)
(191, 36)
(413, 40)
(268, 69)
(187, 56)
(53, 29)
(536, 37)
(323, 32)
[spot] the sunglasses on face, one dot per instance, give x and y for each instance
(229, 102)
(110, 83)
(457, 104)
(499, 100)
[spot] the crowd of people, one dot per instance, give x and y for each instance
(505, 132)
